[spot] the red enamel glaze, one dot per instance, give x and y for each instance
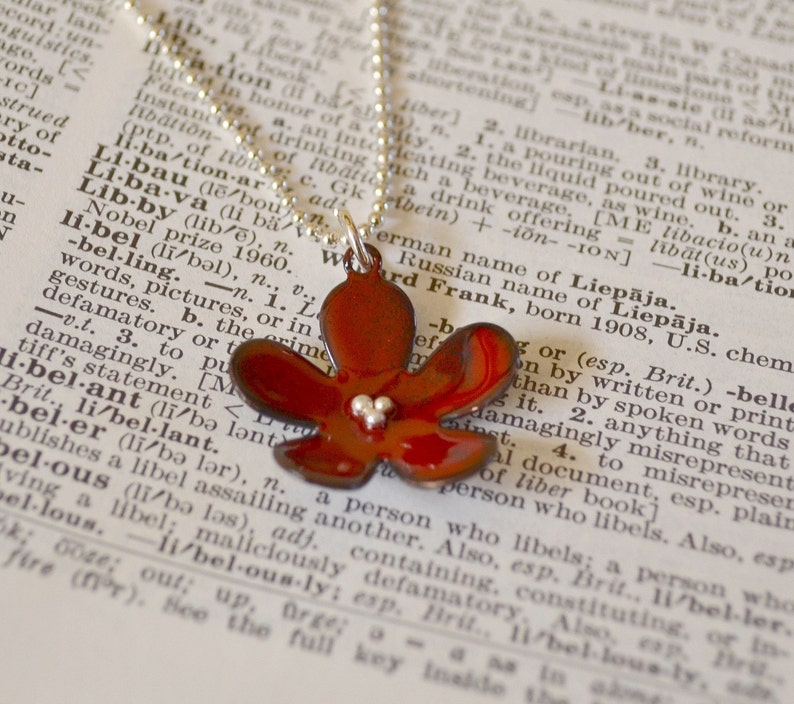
(368, 328)
(367, 323)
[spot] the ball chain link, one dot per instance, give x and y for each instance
(185, 63)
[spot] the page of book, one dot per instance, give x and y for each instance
(612, 181)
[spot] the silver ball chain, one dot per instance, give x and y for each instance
(185, 64)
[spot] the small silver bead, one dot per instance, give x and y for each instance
(383, 404)
(360, 403)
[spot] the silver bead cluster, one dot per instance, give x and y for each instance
(373, 413)
(185, 64)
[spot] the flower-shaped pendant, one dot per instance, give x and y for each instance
(374, 410)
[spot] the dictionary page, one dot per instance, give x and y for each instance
(609, 181)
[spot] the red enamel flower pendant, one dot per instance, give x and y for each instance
(374, 410)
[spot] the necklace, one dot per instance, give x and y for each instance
(373, 409)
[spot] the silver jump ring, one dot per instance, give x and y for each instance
(354, 240)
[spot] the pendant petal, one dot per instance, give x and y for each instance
(279, 382)
(367, 323)
(323, 461)
(445, 455)
(473, 366)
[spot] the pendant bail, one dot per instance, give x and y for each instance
(360, 252)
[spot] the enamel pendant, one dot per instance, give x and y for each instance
(373, 409)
